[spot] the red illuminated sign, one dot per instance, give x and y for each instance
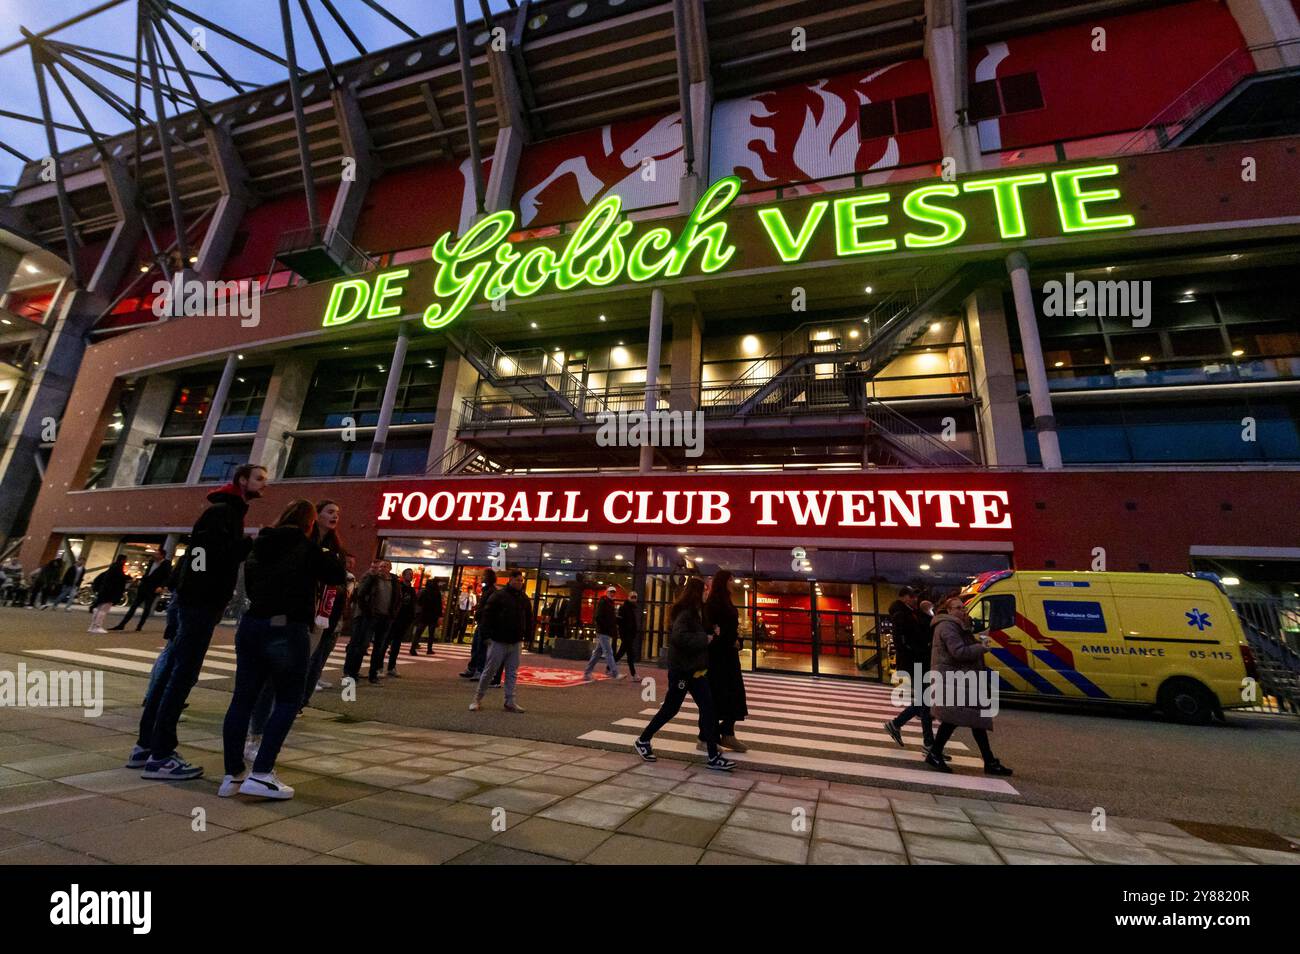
(664, 507)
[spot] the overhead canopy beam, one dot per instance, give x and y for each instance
(300, 121)
(65, 208)
(471, 108)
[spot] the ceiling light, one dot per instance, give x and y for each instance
(31, 269)
(1058, 364)
(936, 556)
(1145, 357)
(1237, 352)
(853, 333)
(602, 317)
(867, 289)
(193, 259)
(749, 344)
(935, 326)
(925, 566)
(592, 547)
(619, 355)
(1230, 581)
(533, 325)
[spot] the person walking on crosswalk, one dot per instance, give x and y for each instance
(726, 682)
(505, 621)
(687, 655)
(957, 651)
(912, 645)
(154, 579)
(606, 620)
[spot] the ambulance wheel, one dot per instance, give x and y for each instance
(1187, 701)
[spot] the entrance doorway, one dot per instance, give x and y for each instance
(821, 628)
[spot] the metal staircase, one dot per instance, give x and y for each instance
(460, 459)
(534, 377)
(911, 442)
(787, 373)
(1272, 627)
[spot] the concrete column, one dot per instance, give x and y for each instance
(125, 237)
(9, 260)
(390, 398)
(684, 359)
(993, 379)
(152, 401)
(653, 348)
(1032, 352)
(235, 200)
(214, 417)
(1267, 22)
(285, 396)
(945, 51)
(699, 93)
(513, 133)
(356, 146)
(459, 379)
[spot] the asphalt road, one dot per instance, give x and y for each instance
(1245, 773)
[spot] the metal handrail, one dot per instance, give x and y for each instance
(1208, 89)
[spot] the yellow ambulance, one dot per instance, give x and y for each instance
(1164, 639)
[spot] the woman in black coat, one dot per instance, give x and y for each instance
(725, 680)
(109, 587)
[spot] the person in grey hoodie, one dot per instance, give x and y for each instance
(687, 655)
(957, 650)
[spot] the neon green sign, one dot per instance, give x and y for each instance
(483, 264)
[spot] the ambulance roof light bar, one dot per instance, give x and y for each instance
(1207, 575)
(985, 580)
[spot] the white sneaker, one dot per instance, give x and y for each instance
(230, 784)
(98, 630)
(250, 749)
(322, 684)
(265, 785)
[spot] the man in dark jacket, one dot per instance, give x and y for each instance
(154, 579)
(606, 629)
(403, 619)
(911, 630)
(71, 582)
(428, 611)
(506, 621)
(375, 602)
(217, 547)
(629, 632)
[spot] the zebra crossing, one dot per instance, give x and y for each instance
(219, 663)
(798, 723)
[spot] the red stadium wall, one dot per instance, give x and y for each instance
(811, 131)
(1151, 58)
(560, 178)
(411, 207)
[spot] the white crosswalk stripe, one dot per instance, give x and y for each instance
(818, 725)
(100, 660)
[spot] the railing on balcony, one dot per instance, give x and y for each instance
(320, 253)
(1191, 103)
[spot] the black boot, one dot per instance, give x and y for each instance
(996, 768)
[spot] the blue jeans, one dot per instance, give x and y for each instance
(265, 653)
(163, 704)
(65, 596)
(604, 647)
(500, 656)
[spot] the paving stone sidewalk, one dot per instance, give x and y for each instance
(376, 793)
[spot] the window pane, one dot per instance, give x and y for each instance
(984, 102)
(190, 406)
(877, 120)
(407, 454)
(1020, 93)
(243, 408)
(219, 466)
(169, 463)
(913, 112)
(1198, 343)
(328, 457)
(1131, 348)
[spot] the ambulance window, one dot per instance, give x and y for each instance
(994, 613)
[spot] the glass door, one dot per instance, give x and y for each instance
(847, 638)
(781, 626)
